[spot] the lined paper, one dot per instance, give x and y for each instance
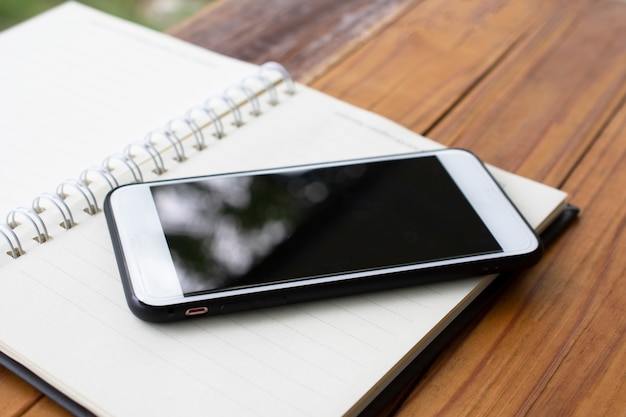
(69, 320)
(76, 86)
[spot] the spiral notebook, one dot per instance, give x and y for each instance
(90, 102)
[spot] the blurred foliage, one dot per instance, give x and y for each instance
(157, 14)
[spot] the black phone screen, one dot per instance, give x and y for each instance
(235, 231)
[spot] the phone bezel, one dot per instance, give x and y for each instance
(143, 252)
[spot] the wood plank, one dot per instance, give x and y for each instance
(47, 408)
(590, 379)
(417, 69)
(500, 99)
(305, 37)
(554, 343)
(16, 395)
(543, 106)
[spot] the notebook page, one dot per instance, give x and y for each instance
(77, 85)
(309, 359)
(317, 358)
(70, 323)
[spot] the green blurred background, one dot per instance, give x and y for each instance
(157, 14)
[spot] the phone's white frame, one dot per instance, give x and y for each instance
(154, 279)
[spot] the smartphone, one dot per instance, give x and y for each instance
(232, 242)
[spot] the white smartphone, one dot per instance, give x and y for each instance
(231, 242)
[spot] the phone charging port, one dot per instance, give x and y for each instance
(196, 311)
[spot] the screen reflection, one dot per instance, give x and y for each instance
(244, 230)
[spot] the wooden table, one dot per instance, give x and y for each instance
(537, 87)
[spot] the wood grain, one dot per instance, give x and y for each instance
(16, 396)
(554, 343)
(549, 93)
(416, 71)
(534, 86)
(305, 37)
(46, 408)
(509, 98)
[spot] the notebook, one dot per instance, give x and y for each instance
(90, 102)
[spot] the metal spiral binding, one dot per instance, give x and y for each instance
(286, 78)
(230, 102)
(269, 87)
(84, 190)
(216, 121)
(33, 218)
(15, 244)
(154, 154)
(233, 108)
(104, 172)
(126, 161)
(171, 138)
(59, 203)
(251, 97)
(193, 127)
